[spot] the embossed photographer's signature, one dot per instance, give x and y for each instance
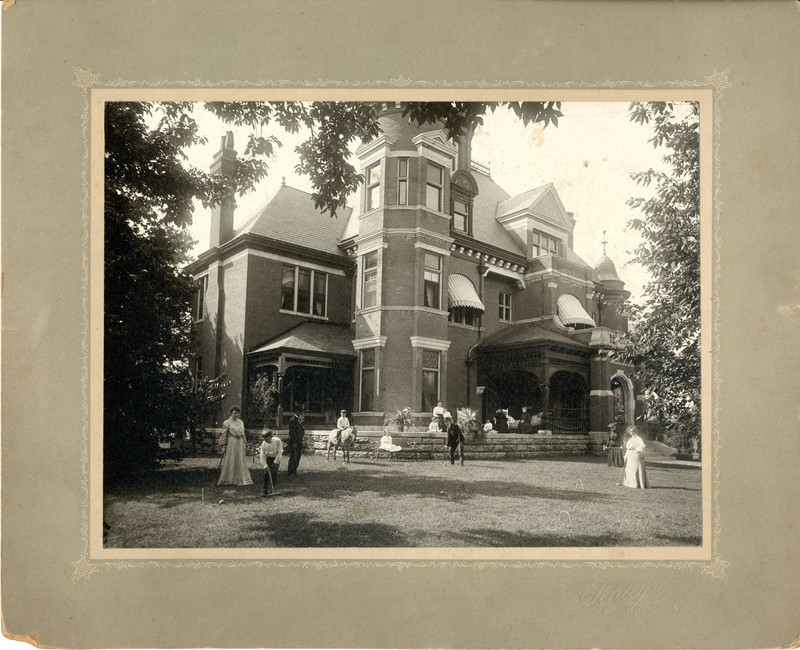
(614, 597)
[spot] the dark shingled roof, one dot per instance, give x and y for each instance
(290, 216)
(317, 338)
(484, 225)
(528, 333)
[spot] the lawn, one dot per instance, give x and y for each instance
(381, 503)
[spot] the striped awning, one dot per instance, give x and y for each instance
(571, 311)
(461, 293)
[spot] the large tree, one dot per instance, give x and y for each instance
(665, 330)
(150, 191)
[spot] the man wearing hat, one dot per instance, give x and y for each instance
(296, 433)
(455, 439)
(270, 456)
(341, 424)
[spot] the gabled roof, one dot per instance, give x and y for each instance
(528, 333)
(312, 338)
(290, 216)
(543, 202)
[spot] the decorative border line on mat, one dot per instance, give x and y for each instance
(718, 82)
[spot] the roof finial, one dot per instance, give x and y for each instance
(604, 242)
(283, 180)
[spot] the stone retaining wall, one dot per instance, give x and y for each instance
(424, 445)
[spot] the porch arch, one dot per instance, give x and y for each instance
(628, 395)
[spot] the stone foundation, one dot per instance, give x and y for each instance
(425, 445)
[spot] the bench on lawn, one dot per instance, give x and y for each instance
(166, 451)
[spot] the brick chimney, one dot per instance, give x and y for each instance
(572, 222)
(222, 214)
(465, 150)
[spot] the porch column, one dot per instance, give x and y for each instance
(279, 423)
(551, 297)
(546, 397)
(601, 398)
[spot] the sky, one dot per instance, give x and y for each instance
(588, 157)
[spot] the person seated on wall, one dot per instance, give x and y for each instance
(447, 415)
(433, 427)
(536, 422)
(524, 426)
(500, 421)
(487, 428)
(387, 444)
(438, 413)
(513, 424)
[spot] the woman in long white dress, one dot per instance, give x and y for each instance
(234, 469)
(635, 472)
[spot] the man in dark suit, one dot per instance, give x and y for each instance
(455, 440)
(296, 433)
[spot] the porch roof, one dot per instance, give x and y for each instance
(528, 334)
(314, 338)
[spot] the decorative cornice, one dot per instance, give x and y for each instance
(369, 342)
(429, 343)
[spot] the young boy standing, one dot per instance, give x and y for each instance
(270, 456)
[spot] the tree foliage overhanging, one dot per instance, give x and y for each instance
(665, 330)
(149, 196)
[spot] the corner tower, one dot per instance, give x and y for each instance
(401, 247)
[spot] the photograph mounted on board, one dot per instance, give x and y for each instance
(402, 324)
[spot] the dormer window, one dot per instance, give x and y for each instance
(543, 245)
(461, 214)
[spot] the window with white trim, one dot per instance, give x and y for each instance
(304, 291)
(373, 186)
(369, 289)
(434, 187)
(402, 181)
(431, 360)
(432, 281)
(505, 306)
(367, 401)
(461, 211)
(465, 316)
(543, 245)
(199, 298)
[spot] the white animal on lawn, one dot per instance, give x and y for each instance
(347, 440)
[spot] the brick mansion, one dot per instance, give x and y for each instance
(436, 286)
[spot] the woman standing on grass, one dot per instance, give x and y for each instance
(635, 473)
(234, 460)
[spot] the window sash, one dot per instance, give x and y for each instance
(304, 291)
(369, 288)
(460, 215)
(402, 181)
(368, 376)
(544, 245)
(434, 187)
(464, 316)
(431, 361)
(201, 284)
(505, 306)
(373, 187)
